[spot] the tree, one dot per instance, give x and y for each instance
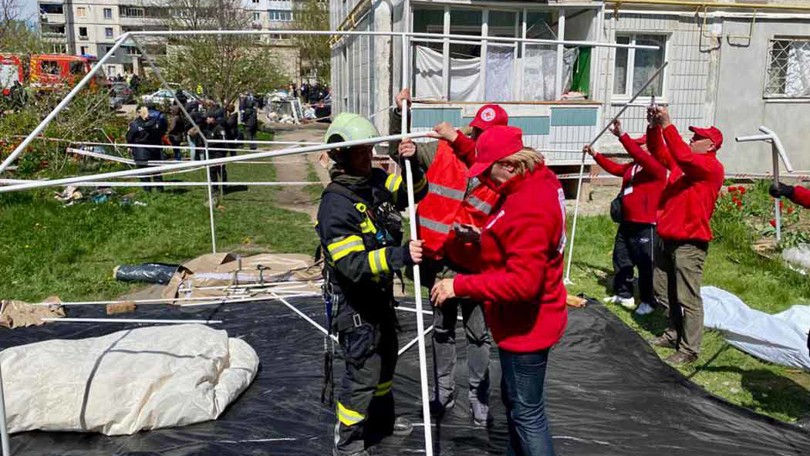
(225, 65)
(314, 49)
(15, 34)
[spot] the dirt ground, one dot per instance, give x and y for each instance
(297, 168)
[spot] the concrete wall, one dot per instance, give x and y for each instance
(741, 108)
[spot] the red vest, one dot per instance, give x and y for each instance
(448, 203)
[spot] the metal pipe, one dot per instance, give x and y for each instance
(68, 98)
(779, 147)
(213, 161)
(417, 283)
(305, 317)
(413, 342)
(567, 279)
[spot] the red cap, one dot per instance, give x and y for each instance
(711, 133)
(641, 140)
(495, 144)
(489, 116)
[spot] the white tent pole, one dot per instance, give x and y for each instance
(130, 320)
(417, 282)
(214, 161)
(210, 197)
(413, 342)
(567, 279)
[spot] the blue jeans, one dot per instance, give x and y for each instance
(523, 375)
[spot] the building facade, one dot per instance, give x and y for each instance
(91, 27)
(734, 65)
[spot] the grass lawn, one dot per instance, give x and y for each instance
(776, 391)
(71, 251)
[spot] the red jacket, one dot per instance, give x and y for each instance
(643, 181)
(801, 196)
(522, 254)
(694, 183)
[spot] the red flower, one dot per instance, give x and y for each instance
(735, 200)
(739, 204)
(732, 189)
(773, 223)
(781, 204)
(741, 189)
(790, 210)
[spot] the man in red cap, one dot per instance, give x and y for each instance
(643, 181)
(521, 282)
(454, 208)
(687, 205)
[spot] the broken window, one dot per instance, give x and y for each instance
(788, 70)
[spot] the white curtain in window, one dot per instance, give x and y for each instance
(428, 73)
(500, 62)
(539, 73)
(797, 80)
(465, 79)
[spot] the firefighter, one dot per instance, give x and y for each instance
(360, 234)
(454, 209)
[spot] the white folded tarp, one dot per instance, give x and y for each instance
(779, 338)
(125, 382)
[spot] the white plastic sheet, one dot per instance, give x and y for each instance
(428, 73)
(465, 79)
(145, 378)
(779, 338)
(539, 73)
(797, 80)
(500, 70)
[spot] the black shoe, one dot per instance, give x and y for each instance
(681, 359)
(663, 341)
(402, 427)
(439, 408)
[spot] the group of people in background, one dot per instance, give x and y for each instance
(154, 131)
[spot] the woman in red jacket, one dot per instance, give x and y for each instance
(521, 282)
(643, 181)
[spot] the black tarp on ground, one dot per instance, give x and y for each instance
(608, 393)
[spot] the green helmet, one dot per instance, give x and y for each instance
(350, 127)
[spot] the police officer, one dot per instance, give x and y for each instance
(360, 233)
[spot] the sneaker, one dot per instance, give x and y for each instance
(627, 303)
(611, 299)
(438, 408)
(680, 359)
(644, 309)
(480, 413)
(402, 427)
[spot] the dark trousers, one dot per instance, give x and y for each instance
(218, 173)
(365, 408)
(634, 247)
(522, 381)
(154, 177)
(678, 278)
(175, 143)
(250, 134)
(479, 342)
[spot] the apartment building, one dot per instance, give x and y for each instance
(91, 27)
(737, 65)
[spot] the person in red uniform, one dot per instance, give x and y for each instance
(521, 283)
(643, 181)
(454, 206)
(687, 205)
(798, 195)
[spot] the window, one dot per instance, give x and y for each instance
(132, 50)
(83, 50)
(81, 11)
(108, 32)
(59, 48)
(76, 68)
(50, 67)
(83, 33)
(257, 17)
(633, 67)
(107, 13)
(280, 15)
(788, 70)
(128, 11)
(53, 30)
(50, 8)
